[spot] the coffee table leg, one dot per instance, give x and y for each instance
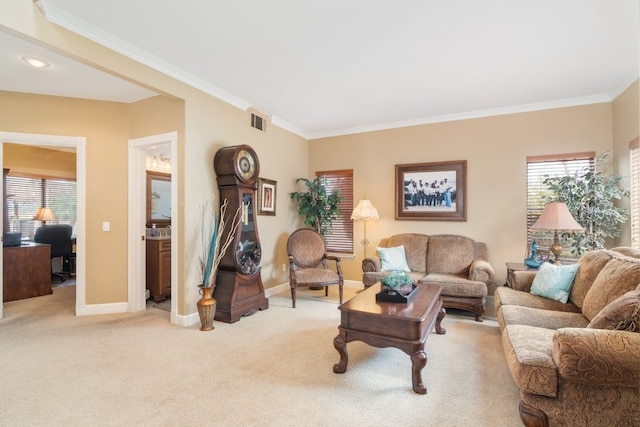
(439, 329)
(341, 345)
(418, 361)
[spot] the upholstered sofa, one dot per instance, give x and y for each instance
(457, 263)
(576, 363)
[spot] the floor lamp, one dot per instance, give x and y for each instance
(556, 217)
(364, 211)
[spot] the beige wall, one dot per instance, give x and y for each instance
(495, 149)
(104, 124)
(39, 161)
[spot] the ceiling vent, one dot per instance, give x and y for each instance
(258, 122)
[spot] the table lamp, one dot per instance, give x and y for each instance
(44, 215)
(556, 217)
(364, 211)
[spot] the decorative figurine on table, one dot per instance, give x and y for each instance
(534, 260)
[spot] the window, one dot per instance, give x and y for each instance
(538, 168)
(341, 237)
(634, 160)
(26, 194)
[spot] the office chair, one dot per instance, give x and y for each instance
(59, 237)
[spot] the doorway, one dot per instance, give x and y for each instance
(55, 141)
(139, 150)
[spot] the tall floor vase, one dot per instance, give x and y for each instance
(206, 308)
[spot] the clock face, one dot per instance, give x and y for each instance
(246, 164)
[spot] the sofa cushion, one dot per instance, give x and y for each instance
(393, 259)
(540, 318)
(528, 353)
(619, 276)
(415, 248)
(623, 314)
(554, 281)
(591, 263)
(507, 296)
(456, 285)
(450, 254)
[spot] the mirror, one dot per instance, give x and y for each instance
(158, 199)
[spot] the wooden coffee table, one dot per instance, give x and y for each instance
(388, 324)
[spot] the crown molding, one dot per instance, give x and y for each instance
(514, 109)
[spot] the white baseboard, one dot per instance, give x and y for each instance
(182, 319)
(92, 309)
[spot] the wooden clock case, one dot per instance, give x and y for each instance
(239, 290)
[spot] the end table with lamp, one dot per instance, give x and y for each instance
(556, 217)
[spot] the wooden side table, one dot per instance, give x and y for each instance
(515, 266)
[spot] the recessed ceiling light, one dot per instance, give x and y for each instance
(35, 62)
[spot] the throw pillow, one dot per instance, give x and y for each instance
(554, 281)
(622, 314)
(393, 259)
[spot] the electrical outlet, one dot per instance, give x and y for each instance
(284, 267)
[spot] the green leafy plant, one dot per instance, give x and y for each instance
(590, 197)
(318, 208)
(396, 280)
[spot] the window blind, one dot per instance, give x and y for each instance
(25, 195)
(539, 168)
(341, 237)
(634, 160)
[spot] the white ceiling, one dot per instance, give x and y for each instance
(343, 66)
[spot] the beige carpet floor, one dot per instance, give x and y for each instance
(270, 369)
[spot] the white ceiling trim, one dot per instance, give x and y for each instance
(513, 109)
(59, 17)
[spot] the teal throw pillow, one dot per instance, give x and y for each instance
(393, 259)
(554, 281)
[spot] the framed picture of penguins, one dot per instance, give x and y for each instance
(432, 191)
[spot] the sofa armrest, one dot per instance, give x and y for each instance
(522, 280)
(371, 264)
(598, 356)
(481, 271)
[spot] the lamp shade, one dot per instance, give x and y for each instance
(364, 210)
(44, 214)
(556, 216)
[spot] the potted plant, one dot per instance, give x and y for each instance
(214, 243)
(318, 208)
(590, 197)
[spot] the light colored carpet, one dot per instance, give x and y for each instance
(270, 369)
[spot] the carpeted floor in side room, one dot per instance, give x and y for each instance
(270, 369)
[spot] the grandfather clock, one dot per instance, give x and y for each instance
(239, 290)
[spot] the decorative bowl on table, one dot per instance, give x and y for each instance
(397, 287)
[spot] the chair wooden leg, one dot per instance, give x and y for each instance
(326, 291)
(340, 292)
(293, 296)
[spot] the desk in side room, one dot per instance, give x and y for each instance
(26, 271)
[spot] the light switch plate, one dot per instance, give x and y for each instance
(106, 226)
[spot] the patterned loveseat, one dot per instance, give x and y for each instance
(576, 363)
(457, 263)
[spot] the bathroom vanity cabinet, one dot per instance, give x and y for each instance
(159, 268)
